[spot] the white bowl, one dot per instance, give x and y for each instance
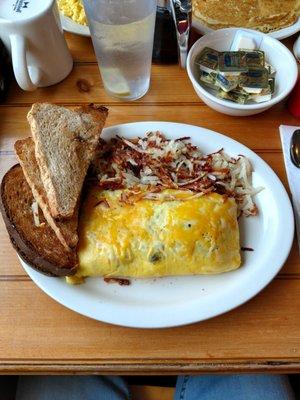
(276, 54)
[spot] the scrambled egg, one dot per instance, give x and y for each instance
(73, 9)
(157, 238)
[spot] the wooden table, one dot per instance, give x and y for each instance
(38, 335)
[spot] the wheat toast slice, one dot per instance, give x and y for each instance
(65, 230)
(36, 245)
(65, 143)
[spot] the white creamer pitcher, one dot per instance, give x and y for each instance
(32, 32)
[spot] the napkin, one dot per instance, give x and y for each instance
(293, 173)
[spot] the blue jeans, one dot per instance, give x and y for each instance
(204, 387)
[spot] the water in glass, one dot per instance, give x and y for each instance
(122, 33)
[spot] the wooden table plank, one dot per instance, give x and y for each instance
(81, 48)
(259, 332)
(168, 84)
(259, 132)
(262, 335)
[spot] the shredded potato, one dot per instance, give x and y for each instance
(146, 166)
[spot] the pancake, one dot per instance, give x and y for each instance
(262, 15)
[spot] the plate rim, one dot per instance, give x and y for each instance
(71, 26)
(280, 34)
(251, 290)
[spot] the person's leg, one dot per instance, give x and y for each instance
(234, 387)
(8, 386)
(72, 388)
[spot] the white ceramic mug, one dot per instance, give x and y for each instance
(32, 32)
(296, 48)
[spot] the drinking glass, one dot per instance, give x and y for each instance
(122, 33)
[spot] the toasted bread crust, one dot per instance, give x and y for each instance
(65, 230)
(38, 246)
(65, 143)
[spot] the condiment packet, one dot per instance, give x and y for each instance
(246, 40)
(255, 58)
(227, 83)
(208, 79)
(255, 78)
(238, 76)
(272, 70)
(252, 90)
(208, 60)
(272, 85)
(232, 61)
(234, 95)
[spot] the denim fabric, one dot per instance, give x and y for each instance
(234, 387)
(72, 388)
(203, 387)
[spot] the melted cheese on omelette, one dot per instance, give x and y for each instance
(157, 238)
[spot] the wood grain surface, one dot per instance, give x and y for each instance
(38, 335)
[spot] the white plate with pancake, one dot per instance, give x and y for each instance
(279, 34)
(175, 301)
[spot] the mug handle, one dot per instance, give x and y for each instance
(26, 76)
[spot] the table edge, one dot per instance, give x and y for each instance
(150, 368)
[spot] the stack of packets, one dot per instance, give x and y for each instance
(240, 76)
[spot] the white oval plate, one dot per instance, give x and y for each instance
(174, 301)
(280, 34)
(71, 26)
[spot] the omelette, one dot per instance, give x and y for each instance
(177, 234)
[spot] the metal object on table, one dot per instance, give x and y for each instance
(182, 15)
(295, 158)
(295, 148)
(290, 140)
(165, 46)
